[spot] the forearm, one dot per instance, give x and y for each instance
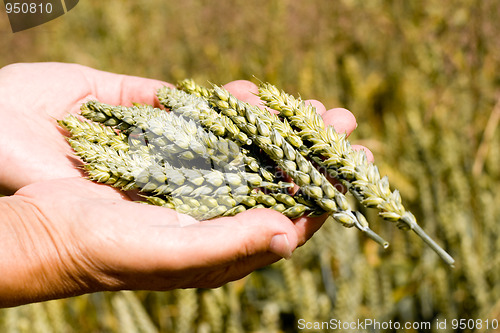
(33, 268)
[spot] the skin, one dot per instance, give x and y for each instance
(62, 235)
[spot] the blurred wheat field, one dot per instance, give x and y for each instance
(422, 79)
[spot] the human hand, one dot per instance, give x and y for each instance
(84, 237)
(75, 236)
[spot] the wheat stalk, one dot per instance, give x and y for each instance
(335, 153)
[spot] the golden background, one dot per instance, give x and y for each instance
(422, 79)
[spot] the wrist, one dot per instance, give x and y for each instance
(34, 266)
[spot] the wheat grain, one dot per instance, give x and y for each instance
(197, 108)
(188, 85)
(94, 132)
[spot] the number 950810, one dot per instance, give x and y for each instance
(28, 7)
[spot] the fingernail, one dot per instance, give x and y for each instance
(280, 246)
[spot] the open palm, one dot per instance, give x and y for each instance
(87, 236)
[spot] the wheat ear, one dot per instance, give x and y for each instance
(336, 154)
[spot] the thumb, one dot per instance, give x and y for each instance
(205, 254)
(243, 243)
(259, 231)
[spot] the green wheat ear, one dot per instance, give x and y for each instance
(332, 150)
(243, 152)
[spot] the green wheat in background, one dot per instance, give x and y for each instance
(422, 79)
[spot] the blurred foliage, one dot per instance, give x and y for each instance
(422, 78)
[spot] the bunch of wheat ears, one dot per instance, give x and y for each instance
(214, 155)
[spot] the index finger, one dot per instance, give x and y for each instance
(119, 89)
(245, 91)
